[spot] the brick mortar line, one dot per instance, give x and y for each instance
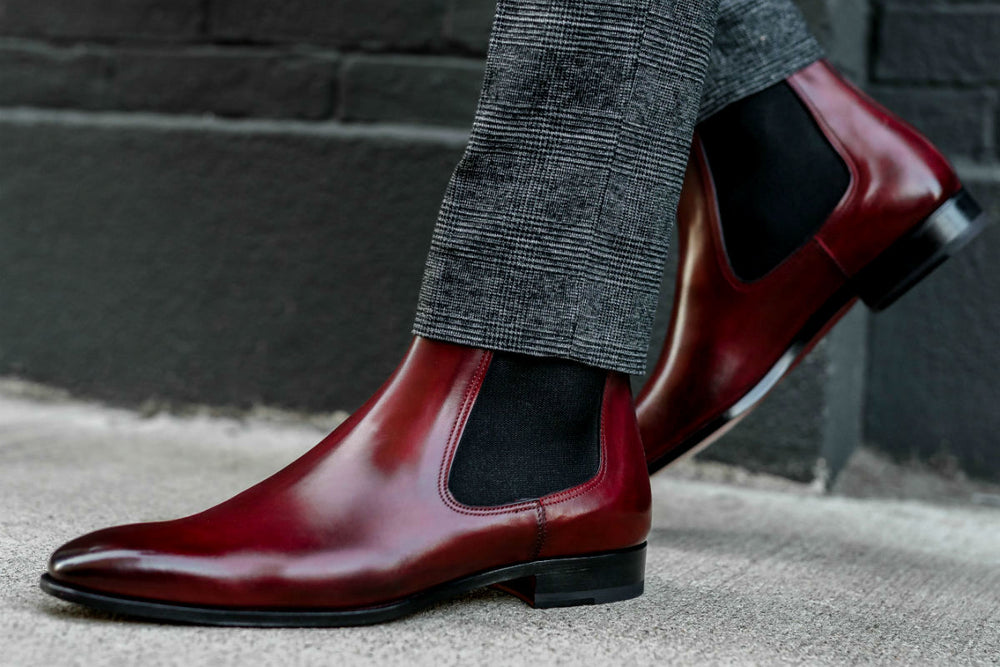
(47, 46)
(43, 47)
(304, 46)
(978, 171)
(932, 86)
(935, 85)
(963, 9)
(157, 121)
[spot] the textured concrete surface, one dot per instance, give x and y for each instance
(767, 575)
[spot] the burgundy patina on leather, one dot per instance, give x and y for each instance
(366, 517)
(898, 177)
(729, 338)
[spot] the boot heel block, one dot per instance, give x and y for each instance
(583, 580)
(917, 254)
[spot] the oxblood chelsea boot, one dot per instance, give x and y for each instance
(795, 205)
(367, 526)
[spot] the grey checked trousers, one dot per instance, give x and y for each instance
(554, 228)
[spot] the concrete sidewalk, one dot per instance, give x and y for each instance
(736, 575)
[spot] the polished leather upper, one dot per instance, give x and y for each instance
(366, 517)
(898, 177)
(726, 334)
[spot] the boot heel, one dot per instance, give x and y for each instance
(567, 582)
(914, 256)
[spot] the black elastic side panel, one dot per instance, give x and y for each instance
(777, 178)
(534, 430)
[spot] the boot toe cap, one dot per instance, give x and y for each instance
(112, 560)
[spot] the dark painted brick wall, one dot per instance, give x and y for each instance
(184, 261)
(103, 19)
(394, 61)
(224, 202)
(934, 373)
(383, 25)
(939, 42)
(938, 64)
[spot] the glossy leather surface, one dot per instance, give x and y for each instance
(365, 517)
(898, 178)
(726, 334)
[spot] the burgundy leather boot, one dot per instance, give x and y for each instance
(901, 213)
(366, 526)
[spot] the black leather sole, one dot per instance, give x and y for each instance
(552, 582)
(916, 255)
(879, 285)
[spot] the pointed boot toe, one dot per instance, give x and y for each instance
(114, 561)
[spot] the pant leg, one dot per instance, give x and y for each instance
(757, 44)
(554, 227)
